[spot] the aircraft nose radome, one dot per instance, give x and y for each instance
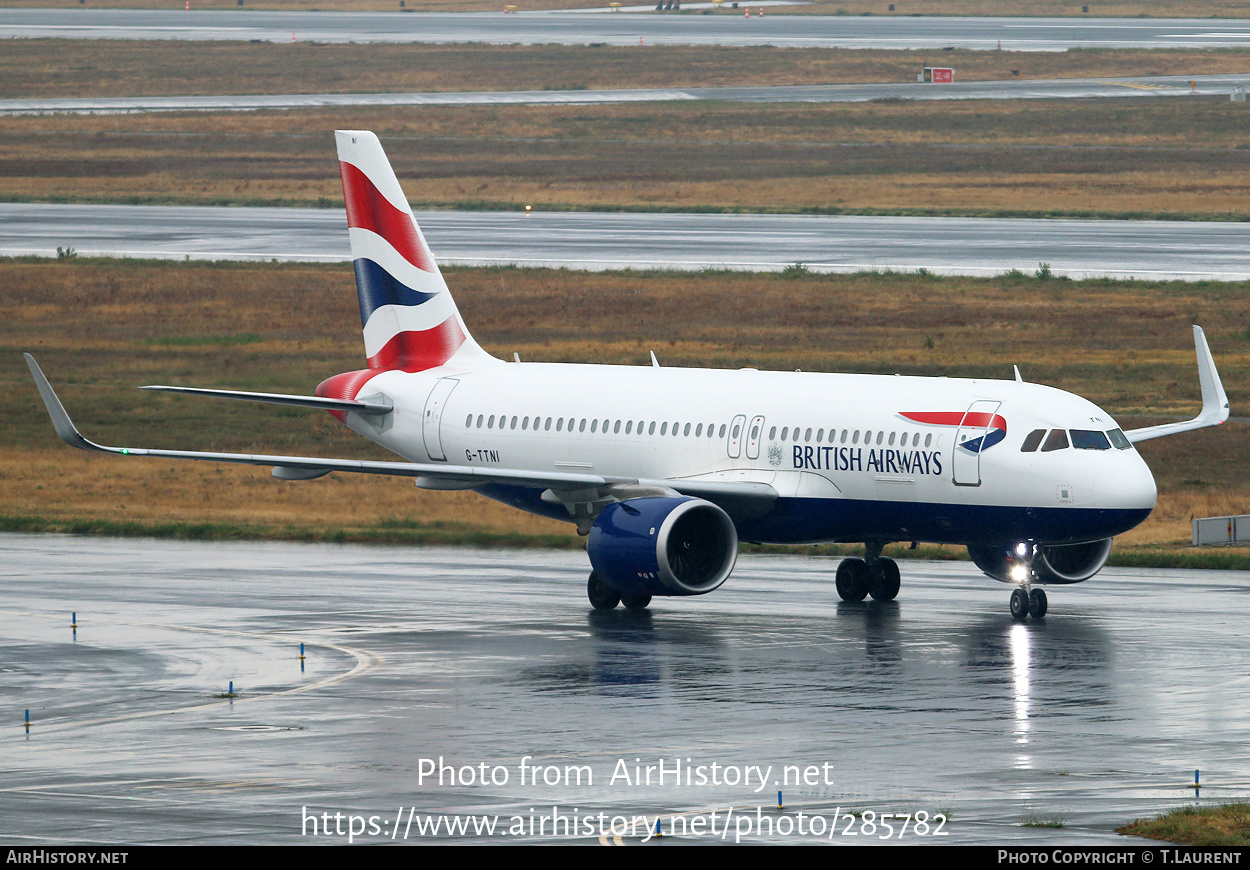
(1131, 486)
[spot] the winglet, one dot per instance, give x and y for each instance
(1214, 400)
(60, 418)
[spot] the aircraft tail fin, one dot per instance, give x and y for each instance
(409, 319)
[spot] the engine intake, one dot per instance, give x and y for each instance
(1054, 563)
(663, 546)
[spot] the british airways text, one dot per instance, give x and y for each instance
(883, 461)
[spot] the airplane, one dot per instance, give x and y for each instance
(665, 470)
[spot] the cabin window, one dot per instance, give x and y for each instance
(820, 435)
(772, 434)
(1056, 440)
(468, 421)
(651, 429)
(525, 423)
(514, 422)
(1089, 439)
(664, 428)
(737, 430)
(1119, 440)
(928, 439)
(1032, 440)
(891, 442)
(490, 424)
(616, 428)
(581, 427)
(686, 431)
(594, 426)
(855, 437)
(785, 431)
(698, 431)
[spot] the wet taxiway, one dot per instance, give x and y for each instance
(1013, 89)
(1170, 250)
(489, 665)
(579, 28)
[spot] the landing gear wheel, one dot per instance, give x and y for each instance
(636, 602)
(1037, 603)
(601, 595)
(886, 581)
(1019, 603)
(852, 579)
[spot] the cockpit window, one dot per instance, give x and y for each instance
(1056, 440)
(1119, 441)
(1033, 439)
(1089, 439)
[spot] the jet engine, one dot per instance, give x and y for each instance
(660, 545)
(1053, 563)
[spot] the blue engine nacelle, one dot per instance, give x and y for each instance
(663, 546)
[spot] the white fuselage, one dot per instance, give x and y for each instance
(834, 446)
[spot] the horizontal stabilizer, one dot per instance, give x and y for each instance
(324, 404)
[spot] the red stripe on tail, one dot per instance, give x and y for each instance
(414, 351)
(368, 209)
(345, 386)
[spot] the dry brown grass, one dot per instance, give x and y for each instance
(1181, 156)
(97, 329)
(120, 68)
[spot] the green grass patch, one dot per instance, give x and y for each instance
(1042, 822)
(414, 534)
(1223, 825)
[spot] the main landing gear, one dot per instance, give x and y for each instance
(874, 575)
(604, 597)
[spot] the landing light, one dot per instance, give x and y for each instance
(1022, 550)
(1019, 573)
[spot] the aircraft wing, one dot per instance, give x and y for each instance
(1214, 399)
(428, 474)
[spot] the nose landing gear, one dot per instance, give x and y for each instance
(1026, 601)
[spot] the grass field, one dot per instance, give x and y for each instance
(1049, 8)
(100, 328)
(1222, 826)
(124, 68)
(1180, 158)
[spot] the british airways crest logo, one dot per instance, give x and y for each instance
(985, 429)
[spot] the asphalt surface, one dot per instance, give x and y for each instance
(573, 28)
(1186, 250)
(937, 703)
(1014, 89)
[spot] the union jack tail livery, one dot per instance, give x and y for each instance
(410, 321)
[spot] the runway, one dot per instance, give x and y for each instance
(1014, 89)
(491, 663)
(1182, 250)
(574, 28)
